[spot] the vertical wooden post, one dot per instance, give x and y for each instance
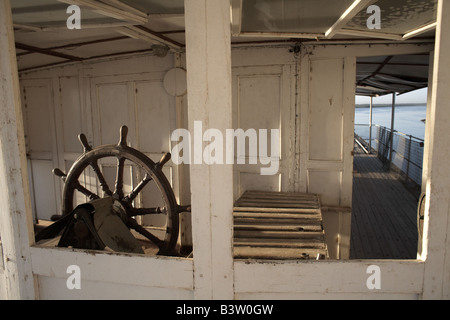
(182, 169)
(436, 245)
(16, 227)
(208, 57)
(428, 122)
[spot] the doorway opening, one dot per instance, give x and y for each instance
(390, 113)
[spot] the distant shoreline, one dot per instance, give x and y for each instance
(384, 105)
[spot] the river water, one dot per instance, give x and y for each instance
(407, 119)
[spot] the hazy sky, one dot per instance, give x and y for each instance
(417, 96)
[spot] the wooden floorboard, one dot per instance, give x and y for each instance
(383, 213)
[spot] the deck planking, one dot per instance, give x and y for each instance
(383, 213)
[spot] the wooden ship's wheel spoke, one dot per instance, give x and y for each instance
(129, 198)
(123, 206)
(118, 191)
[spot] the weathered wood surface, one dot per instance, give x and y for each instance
(383, 214)
(108, 275)
(326, 279)
(16, 278)
(278, 225)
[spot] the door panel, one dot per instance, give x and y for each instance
(40, 137)
(71, 115)
(326, 110)
(262, 100)
(142, 104)
(155, 115)
(326, 183)
(113, 107)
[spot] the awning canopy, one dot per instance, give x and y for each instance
(324, 19)
(117, 27)
(386, 74)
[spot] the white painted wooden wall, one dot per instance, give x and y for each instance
(90, 99)
(205, 275)
(96, 99)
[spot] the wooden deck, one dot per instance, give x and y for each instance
(383, 213)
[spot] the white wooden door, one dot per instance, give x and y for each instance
(329, 164)
(326, 141)
(40, 137)
(262, 99)
(141, 103)
(70, 115)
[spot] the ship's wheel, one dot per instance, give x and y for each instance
(124, 204)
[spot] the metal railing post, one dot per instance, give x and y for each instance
(408, 159)
(370, 126)
(391, 140)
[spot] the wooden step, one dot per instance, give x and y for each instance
(278, 225)
(278, 253)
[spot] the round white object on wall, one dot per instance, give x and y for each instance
(175, 82)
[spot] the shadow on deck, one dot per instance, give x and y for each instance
(383, 213)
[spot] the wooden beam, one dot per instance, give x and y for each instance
(27, 27)
(148, 35)
(348, 14)
(171, 31)
(85, 43)
(87, 24)
(32, 7)
(371, 34)
(76, 44)
(44, 66)
(109, 10)
(16, 226)
(47, 52)
(123, 6)
(117, 54)
(419, 30)
(170, 42)
(293, 35)
(61, 63)
(153, 16)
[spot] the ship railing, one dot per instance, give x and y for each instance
(406, 156)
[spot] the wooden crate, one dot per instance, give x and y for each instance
(278, 225)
